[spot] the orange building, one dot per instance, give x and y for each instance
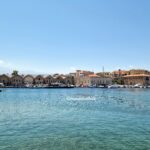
(141, 79)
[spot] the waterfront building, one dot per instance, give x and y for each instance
(79, 76)
(60, 79)
(83, 72)
(137, 76)
(105, 81)
(56, 75)
(39, 79)
(142, 79)
(4, 79)
(94, 80)
(119, 73)
(104, 74)
(28, 80)
(117, 76)
(97, 80)
(139, 71)
(87, 78)
(16, 80)
(49, 80)
(69, 80)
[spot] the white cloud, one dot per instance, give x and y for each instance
(1, 62)
(6, 67)
(5, 64)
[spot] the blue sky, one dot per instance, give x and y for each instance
(51, 36)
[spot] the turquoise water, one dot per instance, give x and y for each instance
(75, 119)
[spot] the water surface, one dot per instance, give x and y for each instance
(75, 119)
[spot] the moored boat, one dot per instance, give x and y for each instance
(59, 85)
(113, 86)
(137, 86)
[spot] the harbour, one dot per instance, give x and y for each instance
(79, 118)
(74, 75)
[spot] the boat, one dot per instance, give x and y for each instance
(0, 90)
(59, 85)
(121, 86)
(93, 86)
(1, 85)
(114, 86)
(28, 85)
(137, 86)
(102, 86)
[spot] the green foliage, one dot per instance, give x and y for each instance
(15, 72)
(118, 81)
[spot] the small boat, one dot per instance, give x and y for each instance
(102, 86)
(92, 86)
(59, 85)
(0, 90)
(114, 86)
(137, 86)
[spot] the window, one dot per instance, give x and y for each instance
(147, 78)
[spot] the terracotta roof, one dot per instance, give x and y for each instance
(94, 75)
(137, 75)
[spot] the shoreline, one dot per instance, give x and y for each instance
(74, 88)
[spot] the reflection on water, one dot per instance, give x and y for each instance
(75, 119)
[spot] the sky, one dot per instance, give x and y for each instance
(51, 36)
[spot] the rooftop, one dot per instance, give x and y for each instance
(137, 75)
(94, 76)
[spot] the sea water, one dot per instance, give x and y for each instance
(75, 119)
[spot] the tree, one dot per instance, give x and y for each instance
(15, 72)
(118, 81)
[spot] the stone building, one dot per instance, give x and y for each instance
(49, 80)
(28, 80)
(69, 80)
(142, 79)
(139, 71)
(95, 80)
(39, 79)
(91, 79)
(80, 75)
(16, 81)
(4, 79)
(137, 76)
(119, 73)
(104, 74)
(60, 79)
(117, 76)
